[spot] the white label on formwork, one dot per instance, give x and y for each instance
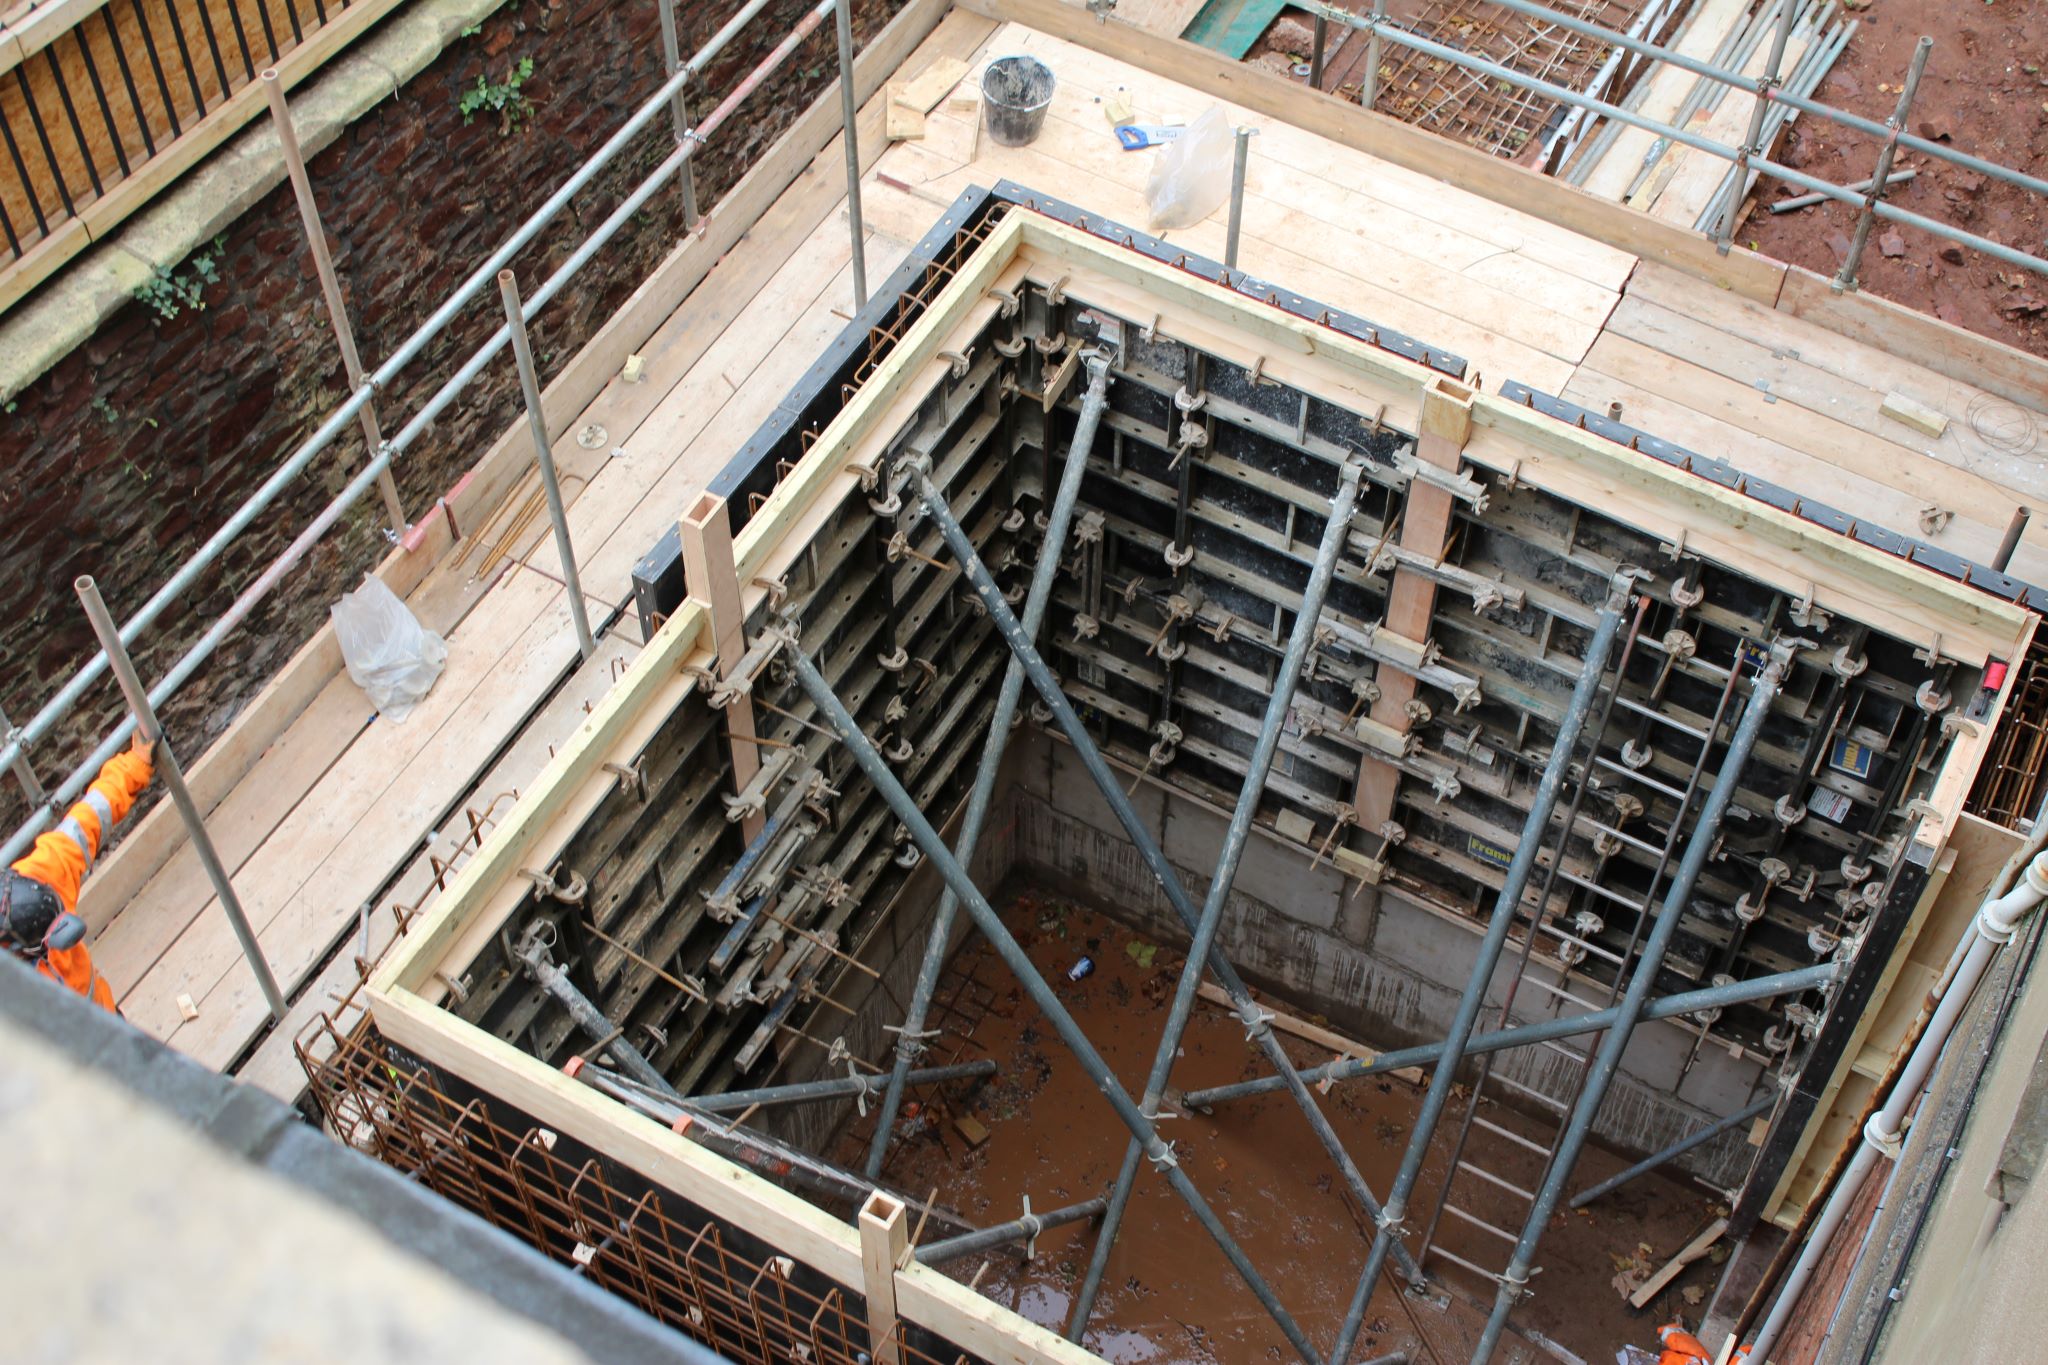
(1830, 806)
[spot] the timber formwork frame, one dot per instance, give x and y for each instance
(714, 870)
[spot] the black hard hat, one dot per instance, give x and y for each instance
(28, 911)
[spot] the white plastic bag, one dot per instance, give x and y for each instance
(389, 654)
(1191, 178)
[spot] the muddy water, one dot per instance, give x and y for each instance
(1169, 1295)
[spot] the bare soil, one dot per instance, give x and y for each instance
(1985, 92)
(1169, 1295)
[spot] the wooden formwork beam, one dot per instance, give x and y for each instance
(714, 582)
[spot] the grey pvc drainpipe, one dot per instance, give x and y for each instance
(1706, 831)
(1258, 1027)
(1278, 704)
(1042, 996)
(1675, 1150)
(1522, 1035)
(1026, 1228)
(1535, 831)
(910, 1042)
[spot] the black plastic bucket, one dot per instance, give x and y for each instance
(1015, 93)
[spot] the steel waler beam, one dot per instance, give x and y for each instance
(1258, 1027)
(1026, 972)
(1524, 1035)
(1706, 832)
(1535, 829)
(1278, 704)
(909, 1042)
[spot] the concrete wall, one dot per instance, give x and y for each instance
(1380, 969)
(125, 454)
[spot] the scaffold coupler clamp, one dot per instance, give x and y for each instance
(1257, 1022)
(1160, 1154)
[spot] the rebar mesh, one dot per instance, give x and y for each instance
(674, 1262)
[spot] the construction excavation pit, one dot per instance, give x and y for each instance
(1182, 821)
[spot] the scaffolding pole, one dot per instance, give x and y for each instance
(910, 1040)
(1675, 1150)
(1525, 1035)
(855, 1087)
(1279, 703)
(1506, 906)
(849, 116)
(1042, 996)
(1025, 1229)
(168, 768)
(1706, 832)
(330, 287)
(1257, 1023)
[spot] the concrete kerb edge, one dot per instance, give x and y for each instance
(65, 312)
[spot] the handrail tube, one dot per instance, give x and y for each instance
(52, 711)
(1565, 95)
(46, 718)
(1523, 1035)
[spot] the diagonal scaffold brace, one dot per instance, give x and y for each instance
(1705, 834)
(909, 1041)
(1042, 996)
(1506, 908)
(1258, 1026)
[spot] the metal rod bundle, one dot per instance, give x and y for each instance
(1506, 907)
(1706, 832)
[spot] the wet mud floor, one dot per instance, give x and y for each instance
(1169, 1295)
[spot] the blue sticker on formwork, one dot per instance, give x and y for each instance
(1852, 758)
(1718, 471)
(1487, 852)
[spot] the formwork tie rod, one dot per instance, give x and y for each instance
(1043, 997)
(1524, 1035)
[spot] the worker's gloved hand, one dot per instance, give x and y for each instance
(143, 745)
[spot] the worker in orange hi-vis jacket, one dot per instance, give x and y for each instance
(1680, 1346)
(39, 895)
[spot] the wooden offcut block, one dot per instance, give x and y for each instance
(1914, 414)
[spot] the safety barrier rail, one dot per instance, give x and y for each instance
(1768, 89)
(360, 406)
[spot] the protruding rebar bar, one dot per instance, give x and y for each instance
(1675, 1150)
(1316, 54)
(679, 107)
(1524, 1035)
(1024, 1229)
(1880, 180)
(1026, 972)
(849, 114)
(544, 455)
(330, 288)
(1752, 142)
(1237, 169)
(910, 1040)
(1279, 705)
(173, 775)
(2010, 545)
(1506, 907)
(1705, 834)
